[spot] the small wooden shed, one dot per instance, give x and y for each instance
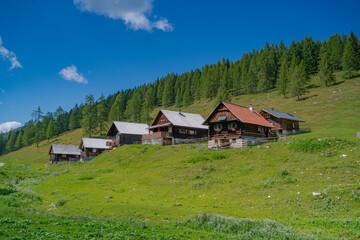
(92, 147)
(59, 152)
(123, 133)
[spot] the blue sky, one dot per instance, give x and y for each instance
(103, 46)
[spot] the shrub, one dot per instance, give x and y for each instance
(86, 177)
(60, 202)
(218, 156)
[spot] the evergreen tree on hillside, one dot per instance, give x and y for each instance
(75, 118)
(117, 110)
(134, 107)
(168, 94)
(335, 48)
(51, 130)
(147, 106)
(350, 60)
(37, 115)
(10, 145)
(101, 114)
(309, 55)
(298, 80)
(89, 116)
(283, 80)
(18, 142)
(28, 133)
(326, 70)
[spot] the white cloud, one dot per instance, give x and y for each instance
(70, 73)
(5, 53)
(135, 13)
(8, 126)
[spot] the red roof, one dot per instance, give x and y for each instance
(245, 115)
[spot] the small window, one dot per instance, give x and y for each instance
(222, 118)
(162, 120)
(94, 150)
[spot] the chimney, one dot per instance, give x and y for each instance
(273, 109)
(251, 108)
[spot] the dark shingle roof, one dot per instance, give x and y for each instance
(283, 115)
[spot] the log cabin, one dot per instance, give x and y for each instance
(175, 127)
(283, 123)
(123, 133)
(92, 147)
(59, 152)
(235, 126)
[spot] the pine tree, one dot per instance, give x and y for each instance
(298, 80)
(147, 106)
(37, 114)
(89, 116)
(101, 114)
(117, 110)
(283, 80)
(223, 95)
(168, 94)
(51, 130)
(350, 60)
(326, 70)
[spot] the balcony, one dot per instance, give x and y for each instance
(157, 135)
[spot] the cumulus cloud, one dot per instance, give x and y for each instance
(135, 13)
(8, 126)
(6, 54)
(70, 73)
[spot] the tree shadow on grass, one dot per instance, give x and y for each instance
(6, 191)
(338, 83)
(304, 98)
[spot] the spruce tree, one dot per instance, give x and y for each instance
(10, 145)
(51, 130)
(89, 116)
(75, 118)
(18, 142)
(117, 110)
(298, 80)
(101, 114)
(350, 60)
(326, 70)
(134, 107)
(283, 80)
(335, 48)
(37, 115)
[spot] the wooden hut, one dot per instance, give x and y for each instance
(126, 133)
(59, 152)
(234, 126)
(92, 147)
(175, 127)
(283, 123)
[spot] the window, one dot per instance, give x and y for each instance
(222, 118)
(182, 131)
(162, 120)
(192, 132)
(94, 150)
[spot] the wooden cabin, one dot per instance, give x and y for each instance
(92, 147)
(59, 152)
(175, 127)
(235, 126)
(126, 133)
(283, 123)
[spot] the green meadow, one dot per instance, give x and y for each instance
(304, 187)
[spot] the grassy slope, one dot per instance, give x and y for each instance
(146, 182)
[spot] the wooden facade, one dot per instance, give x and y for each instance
(59, 153)
(283, 123)
(163, 131)
(228, 129)
(124, 133)
(92, 147)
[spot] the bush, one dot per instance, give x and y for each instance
(218, 156)
(60, 202)
(86, 177)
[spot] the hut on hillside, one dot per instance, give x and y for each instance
(283, 123)
(235, 126)
(59, 152)
(92, 147)
(175, 127)
(126, 133)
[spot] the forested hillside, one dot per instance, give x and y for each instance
(286, 68)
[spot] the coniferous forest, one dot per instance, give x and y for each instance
(281, 67)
